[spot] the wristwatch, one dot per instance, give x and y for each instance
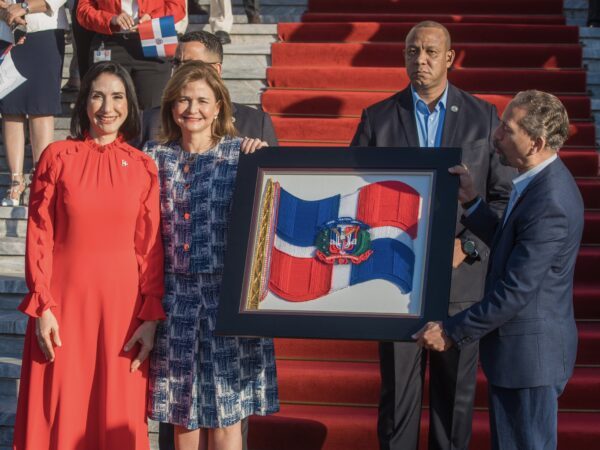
(469, 248)
(25, 6)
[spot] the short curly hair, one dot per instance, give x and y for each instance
(546, 117)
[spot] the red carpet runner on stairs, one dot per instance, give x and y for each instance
(346, 55)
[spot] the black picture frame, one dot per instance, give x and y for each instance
(235, 319)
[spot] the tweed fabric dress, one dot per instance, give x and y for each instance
(197, 379)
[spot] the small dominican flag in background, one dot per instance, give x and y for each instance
(321, 246)
(158, 36)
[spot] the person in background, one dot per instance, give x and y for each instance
(221, 17)
(433, 113)
(204, 46)
(39, 59)
(201, 383)
(525, 321)
(94, 269)
(115, 24)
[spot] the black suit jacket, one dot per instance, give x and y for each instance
(249, 122)
(469, 124)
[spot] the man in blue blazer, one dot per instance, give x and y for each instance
(525, 322)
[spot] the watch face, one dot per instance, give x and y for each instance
(468, 247)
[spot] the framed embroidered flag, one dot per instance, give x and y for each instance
(344, 243)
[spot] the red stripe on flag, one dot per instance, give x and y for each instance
(145, 30)
(389, 203)
(298, 279)
(170, 49)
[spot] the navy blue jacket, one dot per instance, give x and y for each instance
(525, 320)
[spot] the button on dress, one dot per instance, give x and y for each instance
(95, 257)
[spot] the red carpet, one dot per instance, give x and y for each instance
(393, 79)
(440, 6)
(351, 104)
(341, 130)
(380, 54)
(346, 55)
(390, 32)
(500, 18)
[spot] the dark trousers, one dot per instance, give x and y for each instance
(594, 13)
(150, 75)
(524, 419)
(83, 40)
(166, 436)
(452, 391)
(251, 7)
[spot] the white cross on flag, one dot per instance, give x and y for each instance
(159, 37)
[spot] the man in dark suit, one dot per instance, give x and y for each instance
(433, 113)
(525, 322)
(206, 47)
(250, 122)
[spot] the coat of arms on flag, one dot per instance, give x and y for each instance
(308, 249)
(159, 37)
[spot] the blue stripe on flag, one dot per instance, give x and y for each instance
(167, 26)
(299, 220)
(391, 260)
(150, 51)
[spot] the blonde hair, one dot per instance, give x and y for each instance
(187, 73)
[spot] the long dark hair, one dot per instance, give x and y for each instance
(80, 123)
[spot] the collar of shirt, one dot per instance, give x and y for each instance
(523, 180)
(429, 123)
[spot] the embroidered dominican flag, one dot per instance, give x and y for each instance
(321, 246)
(158, 36)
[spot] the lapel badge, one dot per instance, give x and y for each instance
(454, 108)
(124, 163)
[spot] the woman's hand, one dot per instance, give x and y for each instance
(145, 18)
(144, 336)
(122, 22)
(250, 145)
(46, 331)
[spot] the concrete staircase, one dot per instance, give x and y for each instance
(245, 63)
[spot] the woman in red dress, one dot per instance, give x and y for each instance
(94, 268)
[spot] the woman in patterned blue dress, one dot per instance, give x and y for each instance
(202, 383)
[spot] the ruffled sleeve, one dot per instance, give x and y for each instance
(40, 235)
(149, 249)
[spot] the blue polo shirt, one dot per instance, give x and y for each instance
(430, 124)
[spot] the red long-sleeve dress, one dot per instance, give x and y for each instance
(94, 255)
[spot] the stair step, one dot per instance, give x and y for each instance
(10, 302)
(534, 7)
(351, 104)
(304, 427)
(341, 130)
(11, 283)
(468, 55)
(343, 384)
(10, 371)
(590, 191)
(12, 246)
(393, 79)
(344, 16)
(367, 351)
(396, 32)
